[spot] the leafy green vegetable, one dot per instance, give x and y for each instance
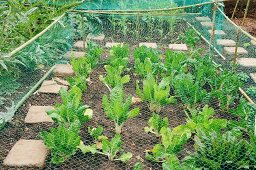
(114, 76)
(190, 37)
(156, 123)
(110, 148)
(119, 56)
(117, 108)
(71, 109)
(96, 133)
(137, 166)
(251, 91)
(93, 54)
(157, 94)
(62, 142)
(243, 77)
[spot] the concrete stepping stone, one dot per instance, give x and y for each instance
(74, 54)
(217, 32)
(27, 153)
(148, 44)
(226, 42)
(79, 45)
(112, 44)
(50, 86)
(253, 42)
(207, 24)
(247, 62)
(63, 70)
(253, 76)
(38, 114)
(232, 50)
(178, 47)
(203, 19)
(100, 37)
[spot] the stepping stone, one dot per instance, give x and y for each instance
(247, 62)
(178, 47)
(253, 76)
(253, 42)
(207, 24)
(50, 86)
(100, 37)
(110, 44)
(217, 32)
(203, 19)
(38, 114)
(232, 50)
(226, 42)
(75, 54)
(63, 70)
(27, 153)
(79, 45)
(149, 45)
(61, 81)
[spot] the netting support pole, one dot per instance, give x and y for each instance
(213, 25)
(233, 14)
(83, 30)
(237, 40)
(246, 11)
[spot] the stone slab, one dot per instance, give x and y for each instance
(61, 81)
(247, 62)
(148, 44)
(112, 44)
(63, 70)
(203, 19)
(27, 153)
(207, 24)
(38, 114)
(253, 76)
(253, 42)
(50, 86)
(79, 45)
(75, 54)
(217, 32)
(178, 47)
(232, 50)
(226, 42)
(100, 37)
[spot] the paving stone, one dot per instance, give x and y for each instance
(63, 70)
(110, 44)
(79, 45)
(226, 42)
(232, 50)
(75, 54)
(61, 81)
(207, 24)
(148, 44)
(28, 153)
(253, 76)
(203, 19)
(178, 47)
(37, 114)
(247, 62)
(100, 37)
(253, 42)
(217, 32)
(50, 86)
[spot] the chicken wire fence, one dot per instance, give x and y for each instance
(131, 28)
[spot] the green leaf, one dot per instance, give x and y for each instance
(125, 157)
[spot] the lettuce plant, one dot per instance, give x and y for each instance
(93, 54)
(157, 94)
(117, 108)
(119, 56)
(114, 76)
(156, 123)
(190, 37)
(71, 109)
(110, 148)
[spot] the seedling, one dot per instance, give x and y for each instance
(156, 123)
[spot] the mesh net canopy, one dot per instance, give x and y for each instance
(161, 25)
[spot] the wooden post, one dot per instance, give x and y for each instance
(213, 25)
(246, 11)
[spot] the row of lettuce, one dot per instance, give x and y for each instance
(189, 80)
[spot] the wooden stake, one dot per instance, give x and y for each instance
(237, 2)
(246, 11)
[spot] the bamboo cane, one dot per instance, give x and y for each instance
(246, 11)
(237, 2)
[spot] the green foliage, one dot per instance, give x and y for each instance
(117, 108)
(8, 84)
(62, 142)
(137, 166)
(119, 56)
(251, 91)
(157, 94)
(189, 90)
(93, 54)
(156, 123)
(243, 77)
(221, 151)
(114, 76)
(96, 133)
(110, 148)
(190, 38)
(70, 110)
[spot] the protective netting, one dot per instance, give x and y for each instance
(227, 150)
